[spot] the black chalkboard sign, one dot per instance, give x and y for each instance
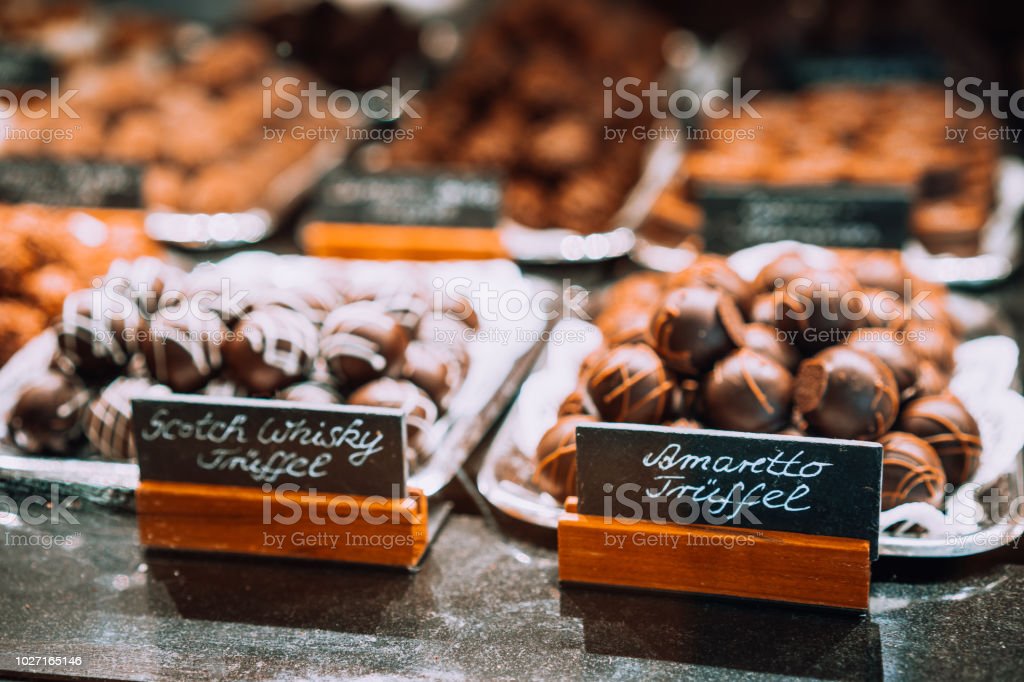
(441, 199)
(250, 443)
(70, 183)
(841, 215)
(814, 486)
(23, 67)
(807, 69)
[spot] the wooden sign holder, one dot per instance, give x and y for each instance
(724, 561)
(240, 520)
(401, 242)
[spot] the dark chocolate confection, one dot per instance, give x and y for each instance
(638, 288)
(144, 280)
(766, 309)
(911, 471)
(625, 323)
(629, 384)
(434, 368)
(779, 271)
(843, 393)
(316, 392)
(930, 380)
(747, 391)
(894, 352)
(93, 335)
(877, 269)
(361, 342)
(812, 308)
(47, 417)
(183, 351)
(271, 348)
(575, 403)
(694, 327)
(769, 342)
(684, 398)
(714, 272)
(108, 421)
(420, 411)
(945, 424)
(884, 309)
(933, 342)
(555, 458)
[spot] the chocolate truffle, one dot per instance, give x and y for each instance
(771, 343)
(766, 309)
(779, 271)
(271, 348)
(420, 411)
(555, 458)
(930, 380)
(714, 272)
(434, 368)
(575, 403)
(890, 349)
(932, 342)
(144, 281)
(46, 419)
(360, 342)
(843, 393)
(877, 269)
(822, 307)
(747, 391)
(911, 471)
(316, 392)
(629, 384)
(945, 424)
(693, 327)
(108, 420)
(183, 349)
(625, 323)
(90, 335)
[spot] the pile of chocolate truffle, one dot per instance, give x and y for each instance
(894, 135)
(852, 349)
(526, 100)
(46, 253)
(185, 105)
(151, 330)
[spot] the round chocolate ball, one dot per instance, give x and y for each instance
(555, 459)
(360, 342)
(271, 348)
(47, 417)
(714, 272)
(930, 380)
(944, 423)
(747, 391)
(780, 270)
(625, 323)
(932, 342)
(629, 384)
(877, 269)
(911, 471)
(420, 411)
(890, 349)
(575, 403)
(694, 327)
(766, 309)
(108, 420)
(145, 280)
(434, 368)
(843, 393)
(822, 307)
(771, 343)
(316, 392)
(183, 348)
(97, 334)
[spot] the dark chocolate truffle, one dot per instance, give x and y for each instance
(932, 342)
(890, 349)
(434, 368)
(108, 421)
(945, 424)
(47, 417)
(625, 323)
(420, 411)
(714, 272)
(930, 380)
(629, 384)
(92, 337)
(747, 391)
(271, 348)
(555, 458)
(911, 471)
(766, 309)
(316, 392)
(822, 307)
(694, 327)
(183, 349)
(361, 342)
(843, 393)
(144, 281)
(771, 343)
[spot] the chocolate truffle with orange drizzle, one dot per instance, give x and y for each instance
(555, 459)
(747, 391)
(911, 471)
(694, 327)
(629, 384)
(945, 424)
(843, 393)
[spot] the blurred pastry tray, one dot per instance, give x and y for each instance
(985, 379)
(999, 245)
(500, 358)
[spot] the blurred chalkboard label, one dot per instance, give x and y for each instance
(435, 199)
(800, 71)
(250, 443)
(70, 183)
(729, 480)
(24, 68)
(842, 215)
